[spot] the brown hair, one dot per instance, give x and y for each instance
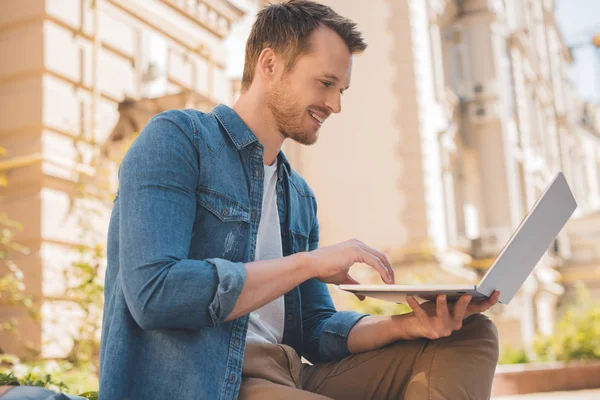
(286, 27)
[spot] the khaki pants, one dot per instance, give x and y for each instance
(460, 366)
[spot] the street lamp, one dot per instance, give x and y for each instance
(594, 42)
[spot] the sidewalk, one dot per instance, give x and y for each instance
(591, 394)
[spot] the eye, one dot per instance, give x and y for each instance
(326, 83)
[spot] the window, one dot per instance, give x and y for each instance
(456, 59)
(153, 65)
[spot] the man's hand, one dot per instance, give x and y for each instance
(433, 320)
(331, 264)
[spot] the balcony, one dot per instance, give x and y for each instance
(214, 15)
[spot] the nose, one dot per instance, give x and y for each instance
(334, 103)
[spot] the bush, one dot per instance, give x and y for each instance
(61, 376)
(378, 307)
(32, 379)
(577, 337)
(577, 334)
(510, 355)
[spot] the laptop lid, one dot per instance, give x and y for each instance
(530, 240)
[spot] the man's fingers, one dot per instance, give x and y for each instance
(376, 263)
(484, 305)
(416, 307)
(493, 299)
(460, 308)
(441, 310)
(350, 281)
(384, 261)
(382, 257)
(489, 302)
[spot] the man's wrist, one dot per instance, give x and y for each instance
(405, 326)
(303, 262)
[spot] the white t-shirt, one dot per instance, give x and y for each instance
(266, 323)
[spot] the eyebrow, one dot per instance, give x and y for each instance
(336, 79)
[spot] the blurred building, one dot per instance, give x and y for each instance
(68, 67)
(458, 115)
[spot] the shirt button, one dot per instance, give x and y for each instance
(254, 213)
(224, 212)
(238, 342)
(251, 258)
(289, 317)
(232, 378)
(256, 173)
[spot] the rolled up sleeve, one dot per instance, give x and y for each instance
(333, 344)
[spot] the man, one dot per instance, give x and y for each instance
(215, 284)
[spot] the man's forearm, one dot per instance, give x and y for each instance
(374, 332)
(269, 279)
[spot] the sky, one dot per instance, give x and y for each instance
(579, 21)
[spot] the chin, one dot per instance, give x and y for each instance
(307, 139)
(310, 139)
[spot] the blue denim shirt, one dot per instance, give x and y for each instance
(184, 222)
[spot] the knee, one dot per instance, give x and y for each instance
(484, 330)
(482, 324)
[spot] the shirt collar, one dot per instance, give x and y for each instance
(238, 131)
(235, 127)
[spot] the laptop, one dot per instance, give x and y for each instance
(514, 263)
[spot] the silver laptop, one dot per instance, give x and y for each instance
(512, 266)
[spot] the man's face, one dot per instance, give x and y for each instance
(302, 99)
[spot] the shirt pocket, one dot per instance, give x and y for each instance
(221, 228)
(299, 242)
(222, 206)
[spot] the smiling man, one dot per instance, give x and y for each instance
(215, 286)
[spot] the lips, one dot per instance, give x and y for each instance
(320, 119)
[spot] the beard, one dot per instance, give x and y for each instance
(289, 115)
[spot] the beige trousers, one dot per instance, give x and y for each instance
(460, 366)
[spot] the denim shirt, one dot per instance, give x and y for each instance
(184, 222)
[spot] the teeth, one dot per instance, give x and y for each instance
(315, 116)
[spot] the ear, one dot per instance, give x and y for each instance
(268, 64)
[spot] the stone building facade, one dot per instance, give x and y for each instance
(66, 66)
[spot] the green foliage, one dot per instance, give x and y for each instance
(84, 289)
(32, 379)
(577, 334)
(45, 381)
(12, 289)
(510, 355)
(577, 337)
(84, 276)
(58, 375)
(12, 282)
(8, 379)
(378, 307)
(90, 395)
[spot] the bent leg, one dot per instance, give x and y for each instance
(460, 366)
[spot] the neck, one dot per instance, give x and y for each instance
(254, 111)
